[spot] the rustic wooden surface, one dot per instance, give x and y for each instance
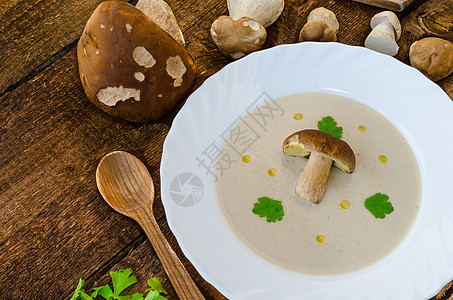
(55, 227)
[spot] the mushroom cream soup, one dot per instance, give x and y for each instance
(339, 234)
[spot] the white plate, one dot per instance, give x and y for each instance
(417, 269)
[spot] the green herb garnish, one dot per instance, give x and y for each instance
(378, 205)
(121, 280)
(329, 126)
(79, 293)
(155, 290)
(269, 208)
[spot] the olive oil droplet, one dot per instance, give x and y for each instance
(382, 159)
(362, 128)
(272, 172)
(246, 158)
(345, 204)
(320, 238)
(298, 116)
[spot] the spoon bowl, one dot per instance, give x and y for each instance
(124, 182)
(126, 185)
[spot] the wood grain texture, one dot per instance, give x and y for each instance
(55, 227)
(32, 31)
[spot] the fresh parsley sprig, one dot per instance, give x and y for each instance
(120, 281)
(329, 125)
(269, 208)
(379, 205)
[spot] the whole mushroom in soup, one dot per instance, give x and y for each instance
(237, 38)
(322, 149)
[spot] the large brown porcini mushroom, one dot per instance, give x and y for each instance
(323, 149)
(129, 66)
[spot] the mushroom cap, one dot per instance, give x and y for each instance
(323, 14)
(433, 57)
(317, 31)
(302, 143)
(236, 38)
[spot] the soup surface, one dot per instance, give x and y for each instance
(338, 235)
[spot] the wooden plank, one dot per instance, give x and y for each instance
(41, 28)
(6, 5)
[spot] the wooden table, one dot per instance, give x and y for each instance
(55, 228)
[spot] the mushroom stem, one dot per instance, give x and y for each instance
(312, 183)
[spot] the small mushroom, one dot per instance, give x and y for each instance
(237, 38)
(387, 16)
(160, 12)
(322, 26)
(317, 31)
(322, 149)
(433, 57)
(265, 12)
(386, 30)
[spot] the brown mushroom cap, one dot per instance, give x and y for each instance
(129, 66)
(317, 31)
(304, 142)
(433, 57)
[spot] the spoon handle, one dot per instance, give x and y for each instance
(184, 286)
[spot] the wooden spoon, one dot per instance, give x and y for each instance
(126, 185)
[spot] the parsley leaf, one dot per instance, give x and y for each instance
(104, 291)
(155, 285)
(269, 208)
(155, 290)
(136, 296)
(79, 293)
(378, 205)
(153, 295)
(122, 280)
(329, 126)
